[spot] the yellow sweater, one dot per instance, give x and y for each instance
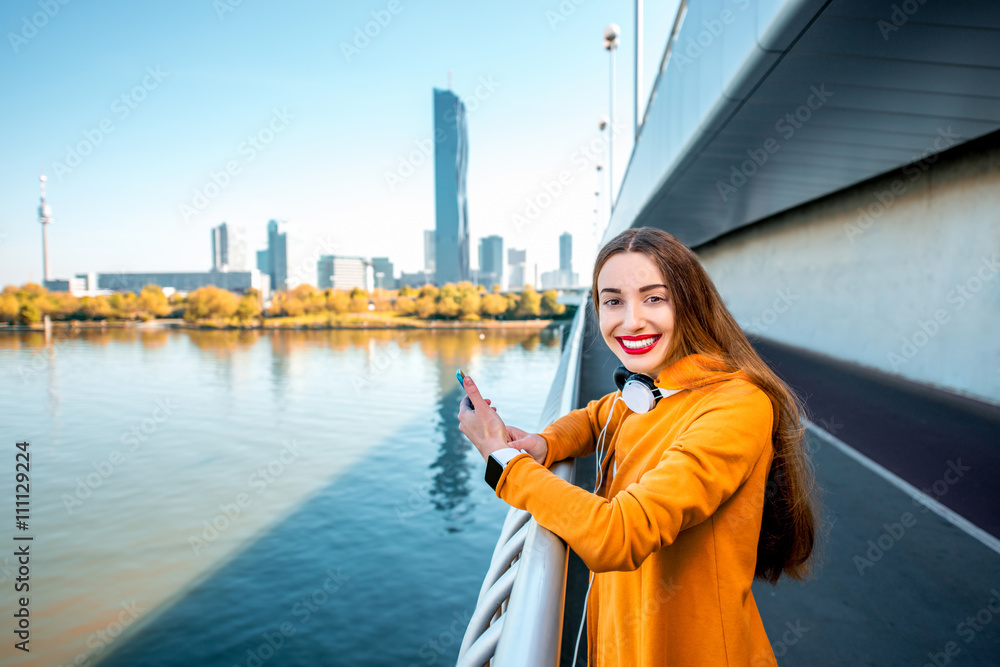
(672, 536)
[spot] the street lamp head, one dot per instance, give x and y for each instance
(611, 35)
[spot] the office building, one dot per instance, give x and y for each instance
(417, 279)
(515, 260)
(180, 281)
(490, 261)
(344, 272)
(566, 252)
(566, 276)
(429, 250)
(383, 272)
(239, 254)
(220, 248)
(85, 284)
(274, 260)
(451, 154)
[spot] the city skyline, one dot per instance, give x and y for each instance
(139, 158)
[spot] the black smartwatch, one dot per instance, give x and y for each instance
(496, 463)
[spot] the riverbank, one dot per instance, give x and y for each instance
(370, 322)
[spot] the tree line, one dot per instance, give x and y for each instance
(29, 303)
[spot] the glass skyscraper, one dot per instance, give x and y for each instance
(220, 248)
(274, 260)
(451, 157)
(491, 261)
(566, 252)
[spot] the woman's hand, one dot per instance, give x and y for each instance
(481, 424)
(532, 443)
(484, 433)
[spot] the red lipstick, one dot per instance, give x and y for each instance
(639, 350)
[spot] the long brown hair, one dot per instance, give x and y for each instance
(703, 325)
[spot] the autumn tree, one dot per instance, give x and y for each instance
(447, 306)
(469, 303)
(124, 305)
(29, 313)
(338, 301)
(530, 303)
(9, 308)
(248, 307)
(512, 300)
(95, 307)
(494, 305)
(153, 301)
(312, 300)
(425, 307)
(406, 305)
(210, 302)
(550, 305)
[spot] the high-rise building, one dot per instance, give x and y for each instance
(429, 250)
(220, 248)
(566, 276)
(491, 261)
(566, 252)
(238, 253)
(451, 155)
(384, 273)
(276, 257)
(342, 272)
(515, 260)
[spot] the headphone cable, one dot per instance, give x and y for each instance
(599, 471)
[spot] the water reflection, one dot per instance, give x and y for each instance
(454, 465)
(371, 410)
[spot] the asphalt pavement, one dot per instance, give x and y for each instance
(893, 582)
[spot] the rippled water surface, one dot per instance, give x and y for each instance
(227, 498)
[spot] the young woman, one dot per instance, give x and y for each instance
(695, 497)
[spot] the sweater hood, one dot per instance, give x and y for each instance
(695, 370)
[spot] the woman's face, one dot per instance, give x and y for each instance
(635, 311)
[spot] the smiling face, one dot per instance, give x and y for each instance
(636, 312)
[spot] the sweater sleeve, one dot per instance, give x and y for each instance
(701, 469)
(575, 433)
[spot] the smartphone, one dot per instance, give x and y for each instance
(460, 376)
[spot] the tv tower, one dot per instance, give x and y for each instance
(45, 218)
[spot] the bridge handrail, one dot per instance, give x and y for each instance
(519, 614)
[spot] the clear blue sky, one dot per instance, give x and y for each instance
(534, 87)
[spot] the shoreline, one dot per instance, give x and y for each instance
(77, 325)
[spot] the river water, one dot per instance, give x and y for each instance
(247, 498)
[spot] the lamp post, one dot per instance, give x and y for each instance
(602, 125)
(611, 35)
(638, 67)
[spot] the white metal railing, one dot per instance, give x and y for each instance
(519, 615)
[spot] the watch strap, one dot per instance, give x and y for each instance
(497, 462)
